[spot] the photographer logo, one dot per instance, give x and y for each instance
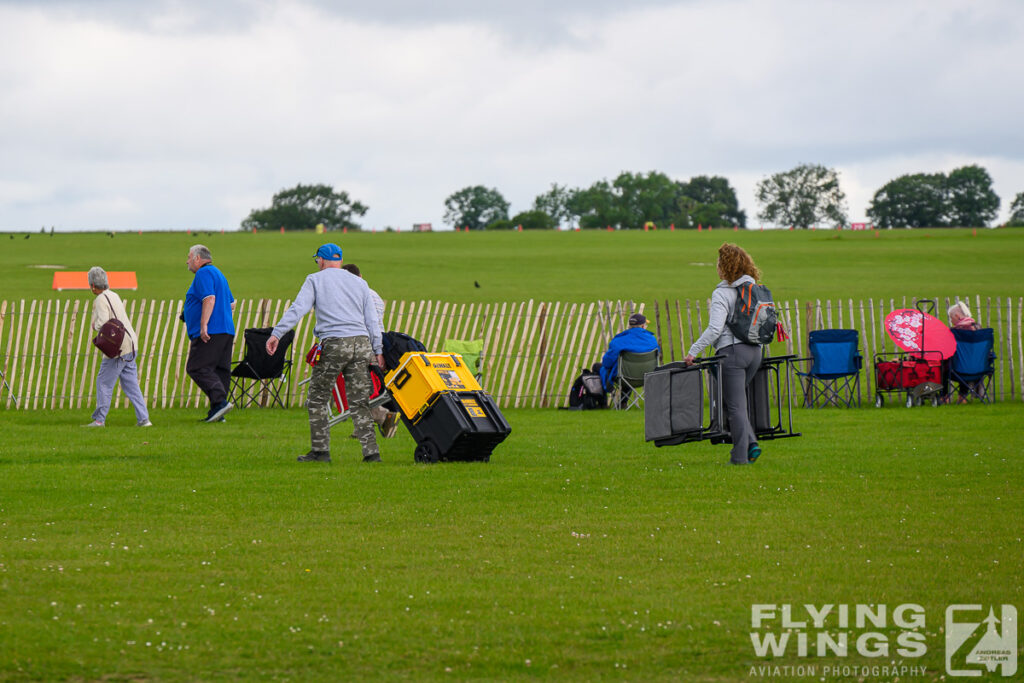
(977, 640)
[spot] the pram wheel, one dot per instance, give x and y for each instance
(879, 401)
(426, 452)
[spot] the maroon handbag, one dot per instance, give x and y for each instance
(111, 334)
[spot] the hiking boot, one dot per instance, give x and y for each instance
(372, 458)
(315, 456)
(218, 411)
(754, 452)
(389, 427)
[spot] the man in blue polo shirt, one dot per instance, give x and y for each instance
(211, 331)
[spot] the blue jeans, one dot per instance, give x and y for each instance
(111, 370)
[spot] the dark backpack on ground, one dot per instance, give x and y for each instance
(395, 345)
(754, 319)
(587, 393)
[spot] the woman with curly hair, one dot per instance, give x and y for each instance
(742, 360)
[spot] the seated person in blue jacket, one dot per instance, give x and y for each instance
(635, 338)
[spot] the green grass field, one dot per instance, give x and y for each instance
(204, 552)
(194, 552)
(548, 266)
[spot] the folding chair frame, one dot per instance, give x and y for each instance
(262, 391)
(634, 383)
(830, 391)
(822, 390)
(337, 417)
(246, 392)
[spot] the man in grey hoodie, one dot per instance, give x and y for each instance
(346, 324)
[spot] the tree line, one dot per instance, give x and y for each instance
(804, 196)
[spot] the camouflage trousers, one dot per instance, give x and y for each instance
(341, 356)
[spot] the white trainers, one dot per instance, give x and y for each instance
(147, 423)
(94, 423)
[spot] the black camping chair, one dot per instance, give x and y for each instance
(258, 377)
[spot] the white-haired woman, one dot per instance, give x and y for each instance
(960, 317)
(105, 306)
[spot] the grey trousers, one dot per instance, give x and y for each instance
(345, 356)
(112, 370)
(738, 369)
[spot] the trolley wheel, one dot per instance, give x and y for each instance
(879, 401)
(910, 401)
(427, 452)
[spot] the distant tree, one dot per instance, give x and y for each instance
(500, 224)
(934, 200)
(630, 201)
(911, 201)
(972, 201)
(713, 202)
(303, 207)
(534, 220)
(596, 206)
(476, 207)
(555, 203)
(1017, 211)
(645, 198)
(804, 196)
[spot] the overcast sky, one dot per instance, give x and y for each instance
(125, 115)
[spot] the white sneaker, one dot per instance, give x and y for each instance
(94, 423)
(147, 423)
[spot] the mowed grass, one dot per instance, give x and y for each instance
(205, 552)
(549, 266)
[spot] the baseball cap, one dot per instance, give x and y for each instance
(329, 252)
(637, 319)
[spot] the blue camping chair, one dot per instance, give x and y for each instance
(973, 364)
(834, 376)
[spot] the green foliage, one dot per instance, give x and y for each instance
(910, 201)
(303, 207)
(1017, 211)
(501, 224)
(804, 196)
(205, 552)
(972, 201)
(709, 200)
(964, 198)
(475, 207)
(555, 203)
(534, 220)
(598, 207)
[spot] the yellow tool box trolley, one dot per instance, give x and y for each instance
(445, 408)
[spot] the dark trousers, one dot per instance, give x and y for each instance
(209, 365)
(738, 369)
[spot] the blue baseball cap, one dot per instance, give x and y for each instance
(329, 252)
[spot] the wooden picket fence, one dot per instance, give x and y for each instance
(532, 350)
